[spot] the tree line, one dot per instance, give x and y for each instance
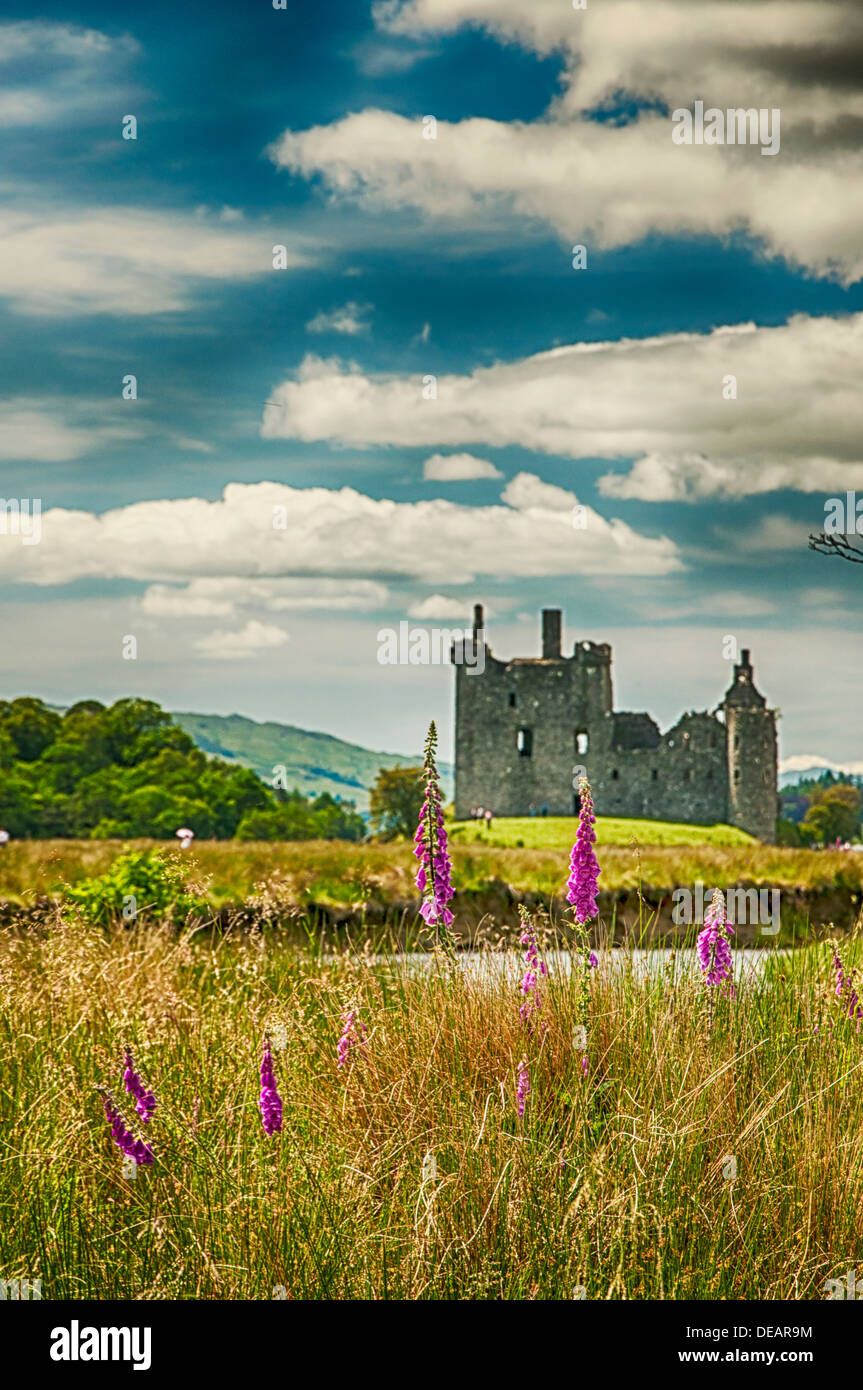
(127, 771)
(820, 810)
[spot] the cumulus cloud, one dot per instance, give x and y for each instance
(796, 423)
(264, 531)
(439, 608)
(806, 57)
(458, 468)
(234, 646)
(349, 319)
(616, 183)
(123, 260)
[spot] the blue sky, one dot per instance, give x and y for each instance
(408, 257)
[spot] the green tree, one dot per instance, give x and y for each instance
(395, 800)
(834, 813)
(139, 729)
(129, 770)
(31, 726)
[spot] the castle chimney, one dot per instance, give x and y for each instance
(551, 633)
(477, 620)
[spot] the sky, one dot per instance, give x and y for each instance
(374, 384)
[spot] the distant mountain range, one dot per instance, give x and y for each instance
(809, 767)
(314, 763)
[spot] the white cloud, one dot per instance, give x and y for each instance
(123, 260)
(453, 468)
(800, 56)
(527, 491)
(194, 446)
(24, 39)
(728, 605)
(334, 533)
(439, 608)
(797, 421)
(349, 319)
(56, 72)
(804, 762)
(385, 59)
(235, 646)
(41, 431)
(771, 535)
(223, 597)
(612, 185)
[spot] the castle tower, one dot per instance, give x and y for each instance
(751, 743)
(522, 726)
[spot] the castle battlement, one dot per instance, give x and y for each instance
(526, 728)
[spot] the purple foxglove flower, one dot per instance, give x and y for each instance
(846, 992)
(714, 946)
(123, 1138)
(353, 1035)
(533, 968)
(145, 1101)
(270, 1101)
(523, 1085)
(434, 872)
(583, 867)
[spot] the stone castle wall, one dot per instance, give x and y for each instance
(525, 728)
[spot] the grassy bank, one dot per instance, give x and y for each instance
(619, 1184)
(344, 874)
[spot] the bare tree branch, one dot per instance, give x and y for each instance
(831, 545)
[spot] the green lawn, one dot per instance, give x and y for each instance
(558, 832)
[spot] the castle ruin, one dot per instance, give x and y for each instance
(523, 729)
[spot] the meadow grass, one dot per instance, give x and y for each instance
(616, 1184)
(557, 832)
(348, 875)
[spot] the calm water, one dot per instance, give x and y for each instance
(674, 964)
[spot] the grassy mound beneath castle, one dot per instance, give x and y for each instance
(557, 832)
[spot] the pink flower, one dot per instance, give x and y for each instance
(123, 1137)
(270, 1101)
(523, 1085)
(434, 872)
(846, 992)
(534, 967)
(353, 1035)
(583, 866)
(145, 1101)
(714, 945)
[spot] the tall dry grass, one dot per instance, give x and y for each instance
(618, 1184)
(343, 873)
